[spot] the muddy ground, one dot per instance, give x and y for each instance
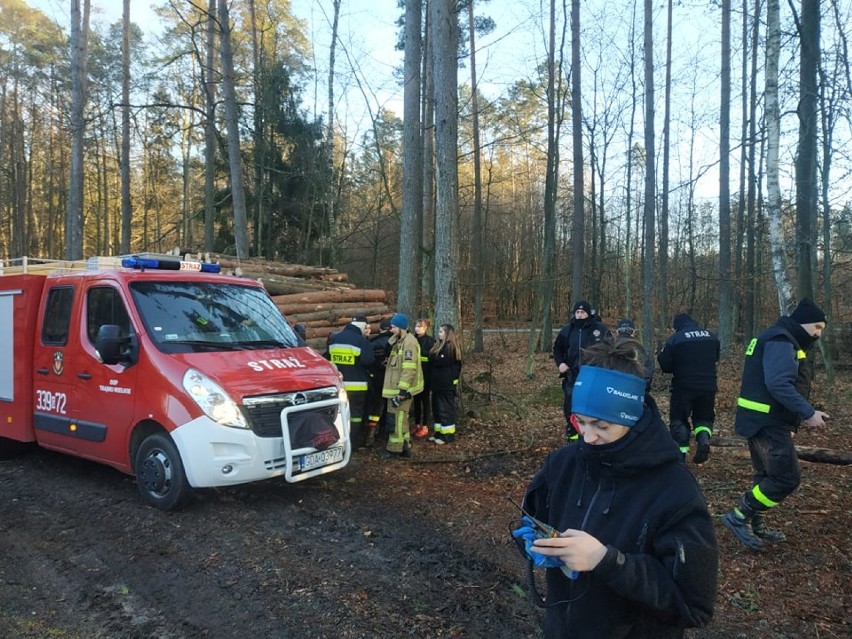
(388, 548)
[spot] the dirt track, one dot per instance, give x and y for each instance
(360, 554)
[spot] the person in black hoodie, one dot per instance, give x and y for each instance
(350, 350)
(773, 398)
(584, 329)
(637, 556)
(690, 355)
(445, 362)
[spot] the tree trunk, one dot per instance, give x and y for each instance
(126, 208)
(238, 196)
(773, 125)
(331, 199)
(650, 180)
(210, 129)
(444, 19)
(478, 230)
(806, 158)
(664, 208)
(427, 232)
(725, 182)
(79, 54)
(412, 172)
(578, 209)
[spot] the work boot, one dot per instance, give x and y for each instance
(758, 525)
(702, 448)
(737, 522)
(406, 450)
(370, 436)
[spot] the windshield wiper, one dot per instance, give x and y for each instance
(265, 343)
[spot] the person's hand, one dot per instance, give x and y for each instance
(577, 549)
(563, 368)
(817, 420)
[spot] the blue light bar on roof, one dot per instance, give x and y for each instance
(169, 265)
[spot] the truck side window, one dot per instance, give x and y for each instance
(57, 315)
(105, 306)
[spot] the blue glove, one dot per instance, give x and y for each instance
(529, 533)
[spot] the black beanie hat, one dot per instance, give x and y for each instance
(583, 304)
(807, 312)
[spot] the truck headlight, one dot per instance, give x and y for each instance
(213, 400)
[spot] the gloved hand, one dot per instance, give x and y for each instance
(529, 532)
(404, 394)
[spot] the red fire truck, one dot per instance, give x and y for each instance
(167, 370)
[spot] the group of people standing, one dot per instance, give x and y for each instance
(388, 375)
(617, 519)
(690, 354)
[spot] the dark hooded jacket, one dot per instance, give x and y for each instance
(690, 355)
(659, 573)
(576, 336)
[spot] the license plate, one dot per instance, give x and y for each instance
(322, 458)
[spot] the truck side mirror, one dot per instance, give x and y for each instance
(111, 346)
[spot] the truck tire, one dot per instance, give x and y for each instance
(159, 473)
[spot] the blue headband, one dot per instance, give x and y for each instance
(608, 395)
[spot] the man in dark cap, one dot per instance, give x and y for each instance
(626, 330)
(773, 398)
(690, 355)
(352, 353)
(584, 329)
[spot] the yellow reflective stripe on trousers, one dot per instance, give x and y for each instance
(763, 499)
(355, 386)
(748, 404)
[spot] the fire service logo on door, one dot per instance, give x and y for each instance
(58, 363)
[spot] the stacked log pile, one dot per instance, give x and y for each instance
(320, 298)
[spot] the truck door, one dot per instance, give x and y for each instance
(104, 403)
(53, 388)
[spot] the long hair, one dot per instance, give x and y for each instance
(450, 342)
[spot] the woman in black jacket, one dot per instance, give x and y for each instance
(636, 549)
(422, 402)
(445, 362)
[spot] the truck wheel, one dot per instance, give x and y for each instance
(159, 473)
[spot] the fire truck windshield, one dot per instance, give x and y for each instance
(185, 317)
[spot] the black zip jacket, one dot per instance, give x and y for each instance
(445, 369)
(659, 574)
(574, 337)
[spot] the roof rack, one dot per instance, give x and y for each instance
(41, 266)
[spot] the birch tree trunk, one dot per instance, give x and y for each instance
(412, 170)
(664, 208)
(238, 196)
(79, 54)
(773, 134)
(444, 19)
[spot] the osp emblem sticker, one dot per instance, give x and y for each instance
(58, 362)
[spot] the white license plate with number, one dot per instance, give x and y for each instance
(321, 458)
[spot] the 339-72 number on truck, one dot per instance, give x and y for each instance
(51, 402)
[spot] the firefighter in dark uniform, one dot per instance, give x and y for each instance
(690, 355)
(773, 398)
(584, 329)
(376, 404)
(352, 353)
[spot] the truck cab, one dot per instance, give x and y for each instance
(185, 379)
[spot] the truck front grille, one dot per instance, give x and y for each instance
(264, 411)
